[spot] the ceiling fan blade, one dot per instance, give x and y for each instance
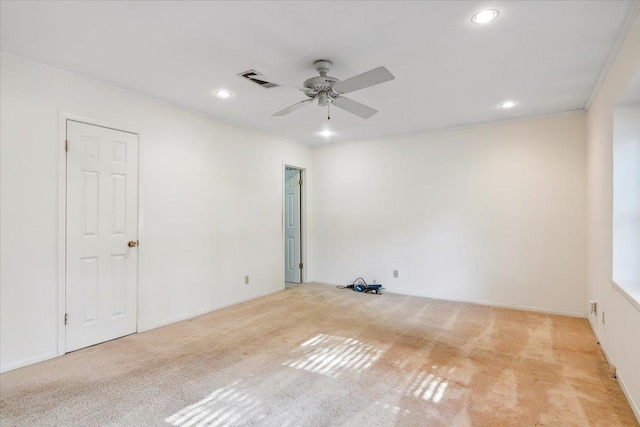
(354, 107)
(277, 82)
(294, 107)
(369, 78)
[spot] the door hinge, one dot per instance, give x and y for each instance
(300, 265)
(66, 318)
(66, 145)
(300, 183)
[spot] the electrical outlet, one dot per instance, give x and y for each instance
(395, 274)
(594, 307)
(246, 280)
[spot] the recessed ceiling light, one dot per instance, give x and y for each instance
(223, 93)
(485, 16)
(326, 133)
(508, 104)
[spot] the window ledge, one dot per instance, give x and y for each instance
(629, 290)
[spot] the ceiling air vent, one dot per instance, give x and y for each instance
(254, 76)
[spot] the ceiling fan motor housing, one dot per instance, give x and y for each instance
(319, 84)
(322, 85)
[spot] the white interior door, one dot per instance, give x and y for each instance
(102, 220)
(292, 225)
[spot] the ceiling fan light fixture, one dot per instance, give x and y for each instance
(223, 93)
(485, 16)
(508, 104)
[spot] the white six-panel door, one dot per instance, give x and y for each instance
(292, 225)
(102, 218)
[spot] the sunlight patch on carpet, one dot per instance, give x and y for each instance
(429, 386)
(227, 406)
(331, 355)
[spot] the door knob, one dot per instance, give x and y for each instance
(132, 243)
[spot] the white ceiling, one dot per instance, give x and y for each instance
(548, 56)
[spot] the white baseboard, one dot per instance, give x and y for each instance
(513, 306)
(479, 302)
(627, 394)
(145, 328)
(634, 405)
(29, 361)
(51, 355)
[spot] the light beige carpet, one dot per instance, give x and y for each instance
(314, 355)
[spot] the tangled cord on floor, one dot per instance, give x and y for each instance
(362, 286)
(351, 286)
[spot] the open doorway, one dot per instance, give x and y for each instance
(293, 215)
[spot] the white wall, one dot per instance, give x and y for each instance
(211, 206)
(493, 214)
(619, 334)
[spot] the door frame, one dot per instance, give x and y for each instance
(63, 117)
(303, 221)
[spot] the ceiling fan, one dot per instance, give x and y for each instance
(329, 90)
